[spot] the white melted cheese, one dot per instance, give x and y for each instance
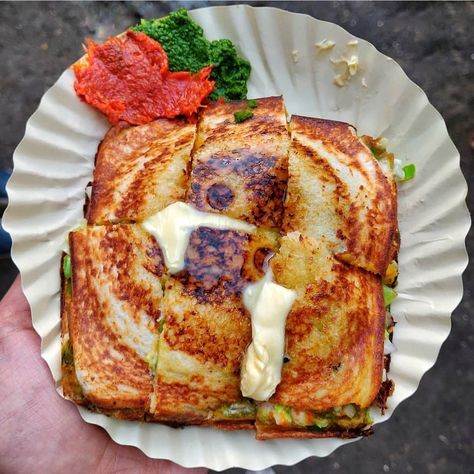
(269, 305)
(172, 227)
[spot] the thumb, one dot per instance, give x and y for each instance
(14, 309)
(168, 467)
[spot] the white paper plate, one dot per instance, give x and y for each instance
(54, 162)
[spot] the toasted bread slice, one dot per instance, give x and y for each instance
(339, 193)
(207, 330)
(69, 383)
(112, 315)
(386, 161)
(267, 432)
(240, 169)
(335, 329)
(334, 334)
(140, 170)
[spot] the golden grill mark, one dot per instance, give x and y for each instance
(142, 184)
(210, 339)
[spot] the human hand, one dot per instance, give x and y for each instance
(40, 431)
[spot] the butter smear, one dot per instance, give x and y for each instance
(269, 305)
(295, 54)
(348, 66)
(172, 228)
(324, 45)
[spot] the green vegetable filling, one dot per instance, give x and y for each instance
(346, 417)
(282, 415)
(320, 425)
(389, 294)
(188, 50)
(242, 115)
(410, 171)
(67, 357)
(67, 269)
(161, 325)
(152, 357)
(244, 409)
(252, 103)
(375, 152)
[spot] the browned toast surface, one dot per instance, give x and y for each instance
(334, 331)
(116, 298)
(141, 343)
(339, 193)
(207, 329)
(140, 170)
(240, 169)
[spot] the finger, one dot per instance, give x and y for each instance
(130, 459)
(14, 308)
(168, 467)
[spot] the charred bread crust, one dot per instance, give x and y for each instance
(266, 432)
(386, 390)
(69, 383)
(225, 425)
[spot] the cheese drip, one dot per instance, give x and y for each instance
(269, 305)
(172, 228)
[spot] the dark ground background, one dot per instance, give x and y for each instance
(431, 432)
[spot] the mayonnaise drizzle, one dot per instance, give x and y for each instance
(269, 305)
(172, 227)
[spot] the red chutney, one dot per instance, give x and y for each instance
(127, 78)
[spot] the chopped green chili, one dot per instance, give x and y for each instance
(67, 270)
(409, 171)
(66, 354)
(389, 294)
(252, 103)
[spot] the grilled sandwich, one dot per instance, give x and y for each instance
(338, 193)
(111, 307)
(334, 345)
(140, 170)
(240, 169)
(207, 330)
(143, 342)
